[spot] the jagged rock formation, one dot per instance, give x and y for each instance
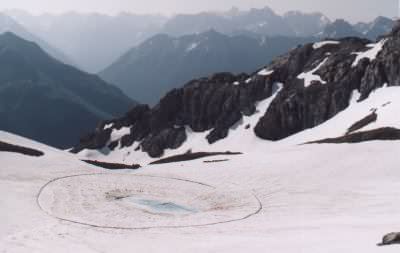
(213, 103)
(298, 107)
(318, 82)
(378, 27)
(340, 28)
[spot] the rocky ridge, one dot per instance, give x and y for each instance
(319, 79)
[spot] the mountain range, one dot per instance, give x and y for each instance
(146, 72)
(341, 28)
(261, 21)
(163, 62)
(49, 101)
(303, 89)
(95, 41)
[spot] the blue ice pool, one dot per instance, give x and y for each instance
(160, 206)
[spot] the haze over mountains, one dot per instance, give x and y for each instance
(149, 70)
(164, 62)
(8, 24)
(95, 41)
(48, 101)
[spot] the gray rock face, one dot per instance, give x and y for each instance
(298, 107)
(216, 103)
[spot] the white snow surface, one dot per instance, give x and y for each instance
(117, 134)
(310, 76)
(265, 72)
(321, 44)
(107, 126)
(371, 53)
(192, 47)
(311, 201)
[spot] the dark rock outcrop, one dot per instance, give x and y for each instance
(363, 122)
(7, 147)
(384, 133)
(113, 166)
(215, 104)
(391, 238)
(299, 107)
(191, 156)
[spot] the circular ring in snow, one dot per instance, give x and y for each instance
(126, 201)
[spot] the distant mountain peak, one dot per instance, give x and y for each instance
(46, 100)
(340, 28)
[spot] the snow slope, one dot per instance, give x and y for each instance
(312, 198)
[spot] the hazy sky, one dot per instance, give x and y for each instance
(352, 10)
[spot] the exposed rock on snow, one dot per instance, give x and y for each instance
(363, 122)
(391, 238)
(113, 166)
(386, 133)
(192, 156)
(6, 147)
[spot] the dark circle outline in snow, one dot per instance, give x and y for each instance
(260, 206)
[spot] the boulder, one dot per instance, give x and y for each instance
(391, 238)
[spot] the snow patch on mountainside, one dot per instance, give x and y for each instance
(309, 77)
(265, 72)
(192, 47)
(370, 54)
(118, 134)
(321, 44)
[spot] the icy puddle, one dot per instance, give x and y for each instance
(159, 206)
